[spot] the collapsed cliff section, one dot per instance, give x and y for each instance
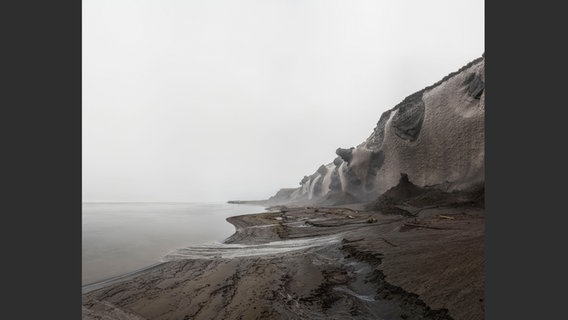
(408, 200)
(435, 136)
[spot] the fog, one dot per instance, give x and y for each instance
(215, 100)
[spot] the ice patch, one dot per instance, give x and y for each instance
(214, 250)
(369, 298)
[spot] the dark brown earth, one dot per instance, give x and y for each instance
(374, 266)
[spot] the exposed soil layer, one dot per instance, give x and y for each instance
(407, 199)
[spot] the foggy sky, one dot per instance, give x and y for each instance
(187, 100)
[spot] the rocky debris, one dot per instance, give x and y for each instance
(398, 194)
(407, 121)
(474, 85)
(337, 161)
(345, 154)
(406, 194)
(322, 170)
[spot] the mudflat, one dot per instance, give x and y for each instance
(316, 263)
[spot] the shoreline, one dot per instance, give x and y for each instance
(118, 239)
(86, 288)
(428, 267)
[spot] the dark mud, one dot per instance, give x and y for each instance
(315, 263)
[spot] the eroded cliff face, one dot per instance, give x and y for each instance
(435, 136)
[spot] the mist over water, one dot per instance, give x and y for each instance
(123, 237)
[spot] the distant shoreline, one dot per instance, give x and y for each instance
(251, 202)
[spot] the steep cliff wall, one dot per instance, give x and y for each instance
(435, 136)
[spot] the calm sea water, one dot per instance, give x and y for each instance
(123, 237)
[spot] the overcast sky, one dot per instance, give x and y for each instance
(187, 100)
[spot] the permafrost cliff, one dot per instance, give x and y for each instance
(434, 136)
